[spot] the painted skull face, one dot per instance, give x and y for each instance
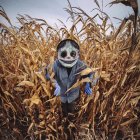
(68, 55)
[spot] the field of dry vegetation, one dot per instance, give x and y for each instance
(28, 108)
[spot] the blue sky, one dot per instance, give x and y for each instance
(52, 10)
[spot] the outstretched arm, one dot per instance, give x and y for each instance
(91, 76)
(54, 81)
(47, 75)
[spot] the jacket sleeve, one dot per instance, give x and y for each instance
(83, 66)
(54, 69)
(90, 75)
(47, 75)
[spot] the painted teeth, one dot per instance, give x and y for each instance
(68, 62)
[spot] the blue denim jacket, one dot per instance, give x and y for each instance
(65, 81)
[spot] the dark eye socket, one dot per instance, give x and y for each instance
(63, 54)
(73, 53)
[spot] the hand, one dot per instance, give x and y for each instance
(88, 89)
(57, 89)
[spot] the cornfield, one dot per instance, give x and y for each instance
(28, 108)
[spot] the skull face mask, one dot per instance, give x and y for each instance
(68, 54)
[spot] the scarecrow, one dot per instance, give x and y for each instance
(66, 67)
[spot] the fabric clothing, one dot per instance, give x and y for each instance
(66, 81)
(68, 71)
(70, 109)
(67, 108)
(69, 112)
